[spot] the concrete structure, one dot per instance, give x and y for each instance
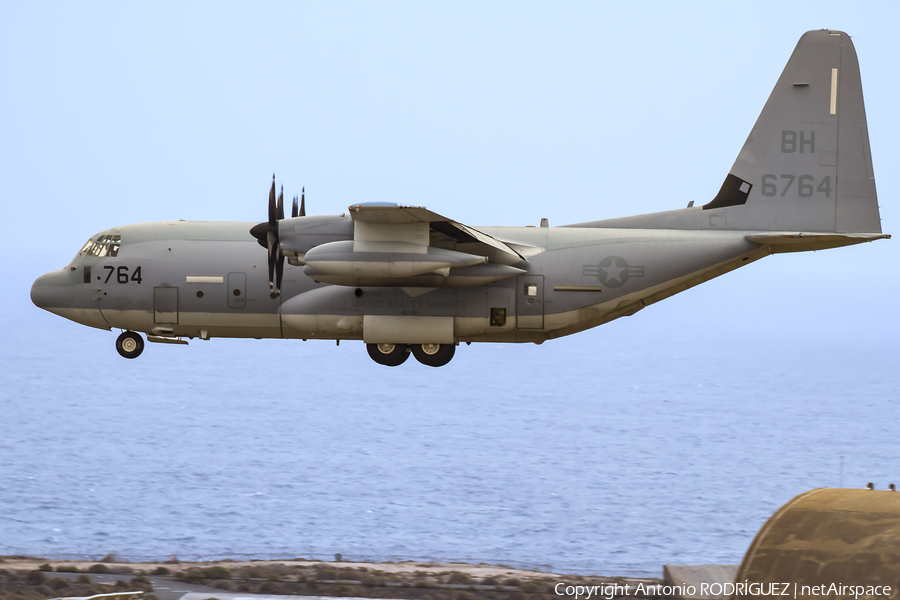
(699, 582)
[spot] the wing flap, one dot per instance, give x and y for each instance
(395, 214)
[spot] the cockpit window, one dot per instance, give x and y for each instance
(105, 245)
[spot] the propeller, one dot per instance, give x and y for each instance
(266, 234)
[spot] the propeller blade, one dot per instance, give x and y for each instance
(294, 208)
(272, 214)
(273, 246)
(280, 212)
(271, 273)
(279, 273)
(303, 203)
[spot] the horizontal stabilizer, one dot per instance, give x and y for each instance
(802, 241)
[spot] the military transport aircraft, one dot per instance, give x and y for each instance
(407, 280)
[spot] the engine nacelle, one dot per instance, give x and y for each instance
(385, 259)
(457, 278)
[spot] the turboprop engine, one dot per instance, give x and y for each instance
(386, 259)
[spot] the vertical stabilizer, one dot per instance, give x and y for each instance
(807, 165)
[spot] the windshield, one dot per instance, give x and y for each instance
(105, 245)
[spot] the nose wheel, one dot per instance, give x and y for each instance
(130, 344)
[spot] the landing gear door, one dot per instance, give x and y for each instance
(530, 302)
(165, 305)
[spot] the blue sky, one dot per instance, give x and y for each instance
(492, 113)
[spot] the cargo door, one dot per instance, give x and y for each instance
(530, 302)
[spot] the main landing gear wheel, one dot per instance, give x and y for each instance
(434, 355)
(130, 344)
(390, 355)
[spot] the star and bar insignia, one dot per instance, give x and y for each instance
(613, 271)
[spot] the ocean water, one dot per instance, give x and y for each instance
(614, 451)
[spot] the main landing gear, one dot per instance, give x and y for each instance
(130, 344)
(394, 355)
(389, 355)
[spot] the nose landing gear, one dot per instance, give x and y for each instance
(129, 344)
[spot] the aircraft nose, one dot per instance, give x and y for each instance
(52, 290)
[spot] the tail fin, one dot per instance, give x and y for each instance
(807, 165)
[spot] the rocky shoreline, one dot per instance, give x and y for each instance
(30, 578)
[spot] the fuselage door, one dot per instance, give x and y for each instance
(165, 305)
(237, 290)
(530, 302)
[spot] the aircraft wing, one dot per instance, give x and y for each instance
(395, 214)
(412, 247)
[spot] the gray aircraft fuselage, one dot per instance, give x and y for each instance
(208, 279)
(406, 280)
